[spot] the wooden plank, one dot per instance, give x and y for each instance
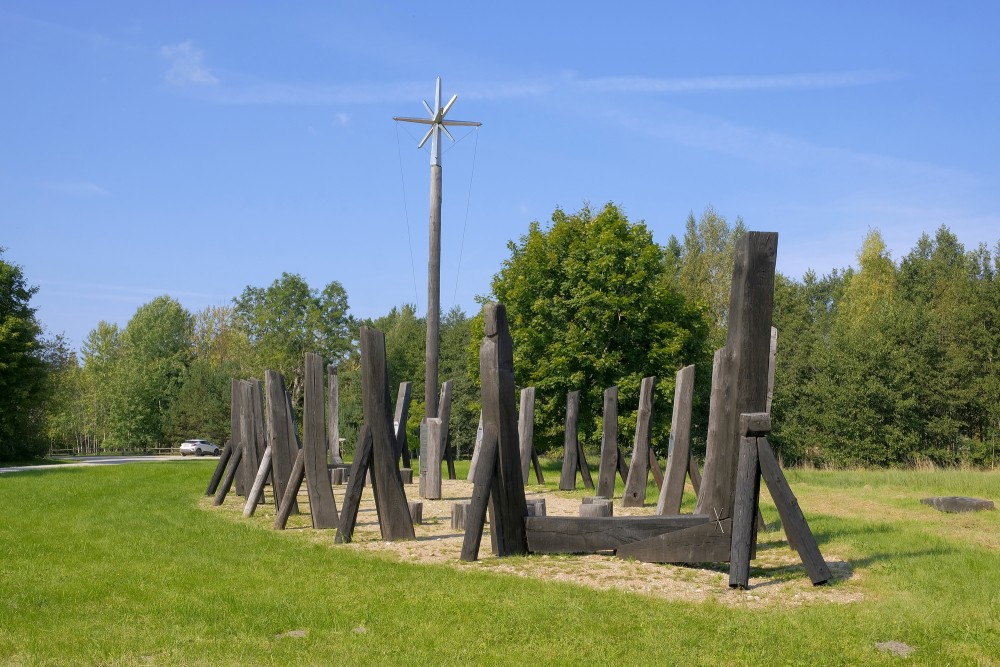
(444, 414)
(680, 451)
(235, 427)
(333, 414)
(622, 470)
(705, 543)
(526, 429)
(572, 534)
(250, 461)
(609, 445)
(744, 514)
(288, 501)
(536, 464)
(402, 414)
(474, 463)
(654, 467)
(584, 467)
(771, 367)
(294, 445)
(390, 496)
(482, 488)
(695, 475)
(220, 468)
(638, 472)
(283, 449)
(258, 485)
(571, 446)
(751, 304)
(227, 480)
(259, 434)
(322, 505)
(792, 519)
(496, 372)
(355, 486)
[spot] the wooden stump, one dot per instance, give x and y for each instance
(638, 472)
(406, 474)
(338, 476)
(536, 507)
(458, 512)
(596, 507)
(416, 511)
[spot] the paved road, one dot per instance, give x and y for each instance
(86, 461)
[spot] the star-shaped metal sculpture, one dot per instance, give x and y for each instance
(438, 123)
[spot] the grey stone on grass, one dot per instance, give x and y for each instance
(958, 504)
(896, 648)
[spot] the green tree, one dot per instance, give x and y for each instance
(23, 374)
(287, 319)
(591, 304)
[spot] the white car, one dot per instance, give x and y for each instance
(199, 448)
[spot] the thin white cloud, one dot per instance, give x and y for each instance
(186, 67)
(805, 81)
(125, 293)
(343, 118)
(76, 189)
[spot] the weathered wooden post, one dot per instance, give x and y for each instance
(498, 476)
(567, 480)
(526, 429)
(260, 435)
(742, 366)
(399, 422)
(250, 461)
(235, 426)
(227, 480)
(257, 491)
(474, 463)
(430, 459)
(609, 445)
(333, 408)
(638, 472)
(390, 496)
(283, 448)
(444, 414)
(220, 468)
(322, 506)
(679, 457)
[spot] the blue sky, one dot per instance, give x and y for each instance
(193, 149)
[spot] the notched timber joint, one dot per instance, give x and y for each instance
(755, 424)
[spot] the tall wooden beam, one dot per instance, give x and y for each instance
(250, 461)
(526, 429)
(333, 414)
(283, 449)
(680, 451)
(236, 428)
(390, 496)
(638, 472)
(444, 414)
(322, 506)
(571, 448)
(609, 445)
(745, 365)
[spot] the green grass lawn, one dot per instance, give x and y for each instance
(121, 565)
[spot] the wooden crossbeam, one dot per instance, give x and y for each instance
(704, 543)
(572, 534)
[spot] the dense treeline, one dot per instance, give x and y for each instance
(891, 362)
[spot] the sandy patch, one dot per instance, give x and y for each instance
(777, 575)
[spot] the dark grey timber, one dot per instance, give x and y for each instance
(322, 506)
(526, 429)
(680, 453)
(250, 461)
(333, 414)
(638, 472)
(571, 446)
(390, 496)
(283, 452)
(792, 519)
(609, 445)
(581, 462)
(571, 534)
(748, 342)
(654, 467)
(705, 543)
(288, 500)
(220, 468)
(355, 486)
(744, 513)
(444, 414)
(259, 434)
(236, 427)
(399, 422)
(227, 480)
(499, 472)
(537, 465)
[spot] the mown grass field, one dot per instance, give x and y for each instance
(121, 565)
